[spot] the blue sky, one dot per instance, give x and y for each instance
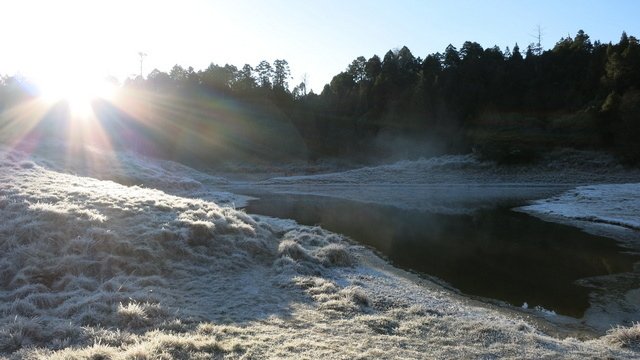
(317, 38)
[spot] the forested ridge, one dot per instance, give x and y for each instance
(508, 105)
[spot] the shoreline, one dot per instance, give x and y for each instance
(587, 326)
(563, 326)
(141, 272)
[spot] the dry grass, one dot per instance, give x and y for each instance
(335, 255)
(294, 251)
(628, 337)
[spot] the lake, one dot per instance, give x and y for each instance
(493, 253)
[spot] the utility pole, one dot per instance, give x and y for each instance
(305, 80)
(537, 49)
(142, 56)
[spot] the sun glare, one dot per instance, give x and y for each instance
(79, 92)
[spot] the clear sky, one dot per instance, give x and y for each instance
(47, 39)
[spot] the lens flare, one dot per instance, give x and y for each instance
(79, 92)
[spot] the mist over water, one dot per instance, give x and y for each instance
(493, 253)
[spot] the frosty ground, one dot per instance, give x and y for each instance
(161, 265)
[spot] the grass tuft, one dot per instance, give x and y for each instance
(335, 255)
(293, 250)
(627, 337)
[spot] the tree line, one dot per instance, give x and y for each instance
(509, 105)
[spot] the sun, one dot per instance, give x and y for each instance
(78, 90)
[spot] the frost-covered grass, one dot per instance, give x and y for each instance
(128, 168)
(457, 184)
(95, 269)
(625, 336)
(558, 167)
(612, 204)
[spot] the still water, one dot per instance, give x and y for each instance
(493, 253)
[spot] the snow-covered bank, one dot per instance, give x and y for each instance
(609, 204)
(128, 168)
(455, 184)
(96, 269)
(559, 167)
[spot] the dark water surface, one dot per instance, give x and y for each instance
(494, 253)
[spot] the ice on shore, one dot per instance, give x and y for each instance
(611, 204)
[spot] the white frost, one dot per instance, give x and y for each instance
(612, 204)
(559, 167)
(96, 269)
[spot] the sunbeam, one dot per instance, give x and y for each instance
(78, 91)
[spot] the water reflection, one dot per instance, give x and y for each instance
(494, 253)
